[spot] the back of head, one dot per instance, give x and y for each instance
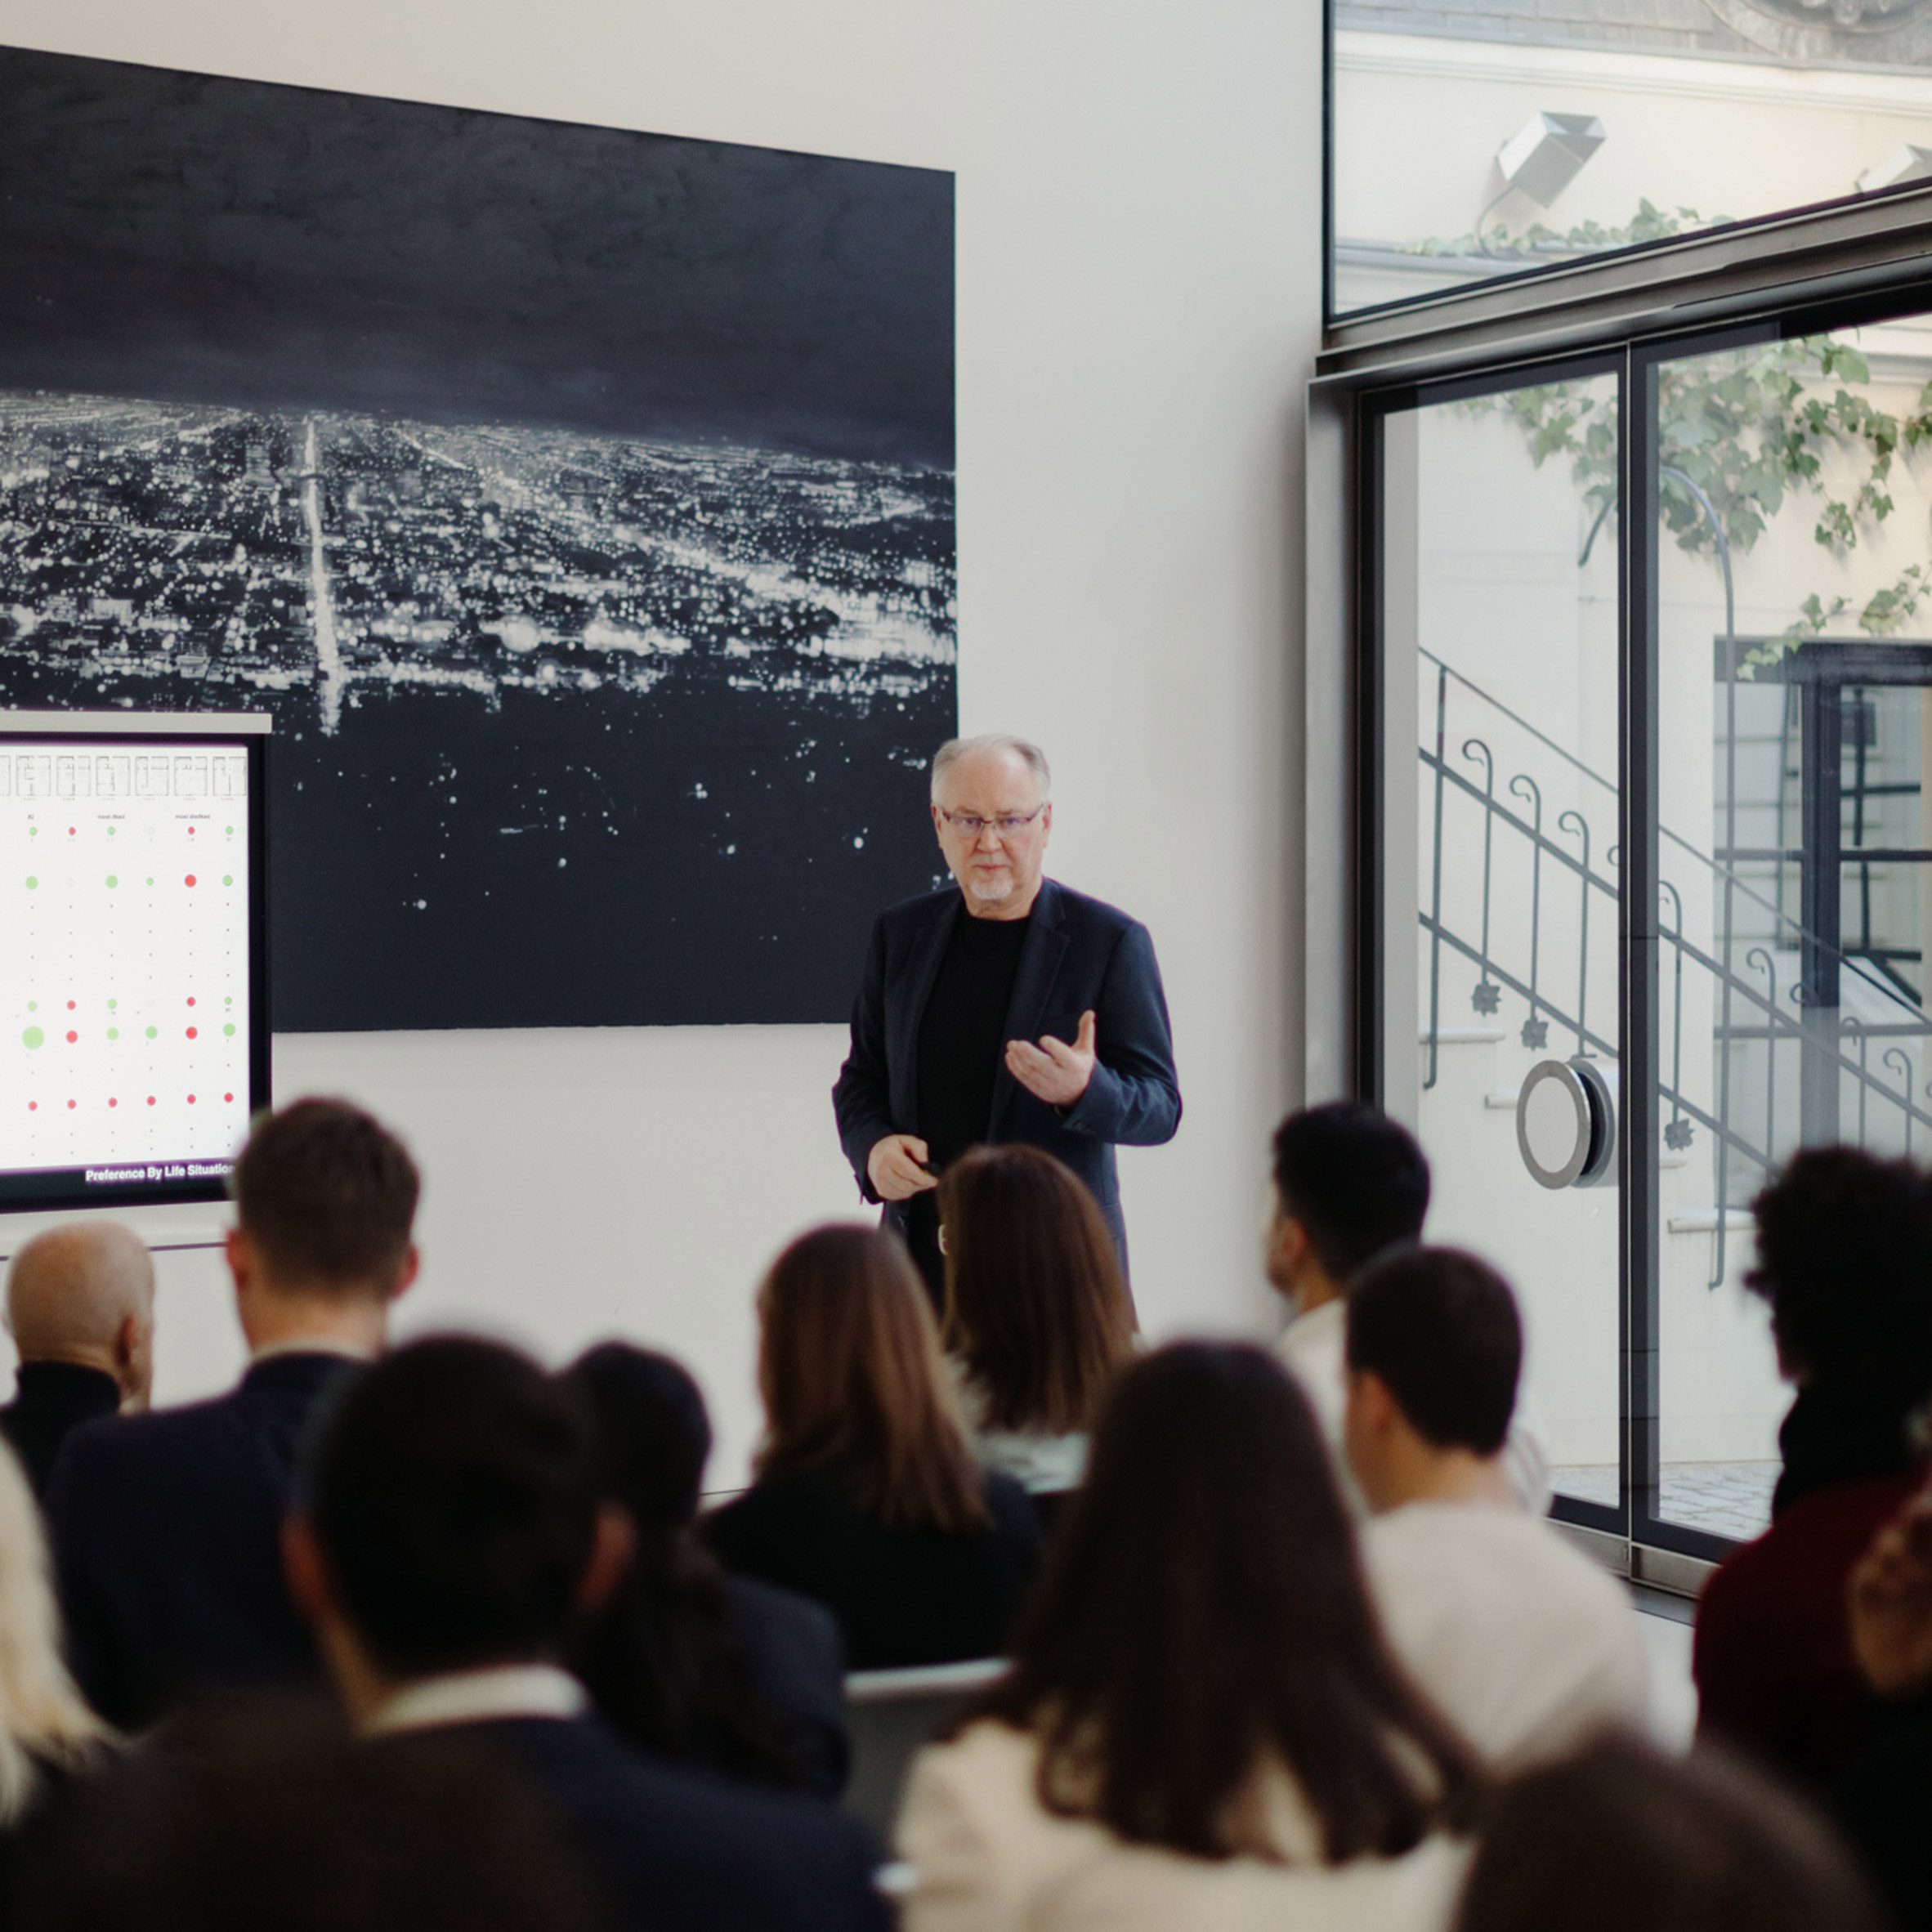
(70, 1290)
(654, 1434)
(850, 1368)
(1203, 1613)
(1036, 1308)
(1845, 1259)
(328, 1196)
(1621, 1835)
(1355, 1181)
(255, 1815)
(1441, 1331)
(453, 1488)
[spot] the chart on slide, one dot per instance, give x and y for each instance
(124, 961)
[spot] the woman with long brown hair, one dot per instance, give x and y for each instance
(867, 1496)
(1038, 1319)
(1203, 1726)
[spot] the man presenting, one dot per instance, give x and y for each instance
(1011, 1009)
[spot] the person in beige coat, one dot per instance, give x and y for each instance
(1203, 1726)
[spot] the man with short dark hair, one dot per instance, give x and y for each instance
(80, 1302)
(448, 1536)
(1350, 1185)
(165, 1528)
(1524, 1642)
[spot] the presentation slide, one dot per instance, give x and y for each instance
(127, 978)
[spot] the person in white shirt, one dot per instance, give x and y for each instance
(1525, 1643)
(1203, 1726)
(1349, 1184)
(1038, 1317)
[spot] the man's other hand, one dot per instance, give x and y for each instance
(895, 1167)
(1058, 1073)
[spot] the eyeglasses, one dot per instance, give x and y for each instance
(969, 824)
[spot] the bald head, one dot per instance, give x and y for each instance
(85, 1294)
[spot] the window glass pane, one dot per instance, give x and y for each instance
(1473, 138)
(1794, 648)
(1500, 629)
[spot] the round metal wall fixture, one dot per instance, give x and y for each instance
(1566, 1124)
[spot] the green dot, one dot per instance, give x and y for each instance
(112, 1004)
(232, 831)
(111, 831)
(229, 1030)
(151, 881)
(112, 880)
(34, 831)
(150, 1033)
(33, 1006)
(228, 879)
(33, 883)
(113, 1033)
(33, 1038)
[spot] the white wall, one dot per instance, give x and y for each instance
(1138, 199)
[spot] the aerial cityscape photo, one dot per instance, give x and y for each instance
(529, 684)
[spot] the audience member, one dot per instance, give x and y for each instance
(80, 1305)
(1844, 1260)
(449, 1536)
(1528, 1645)
(867, 1497)
(1038, 1317)
(1203, 1726)
(49, 1737)
(684, 1660)
(1885, 1796)
(165, 1527)
(1621, 1835)
(1349, 1184)
(256, 1814)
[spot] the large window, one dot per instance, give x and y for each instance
(1648, 656)
(1474, 138)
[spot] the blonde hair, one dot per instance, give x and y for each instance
(41, 1712)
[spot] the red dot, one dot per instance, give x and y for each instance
(70, 1006)
(191, 1100)
(190, 878)
(192, 1033)
(32, 1106)
(112, 1101)
(228, 1097)
(150, 1100)
(191, 831)
(70, 1103)
(190, 999)
(72, 1038)
(70, 831)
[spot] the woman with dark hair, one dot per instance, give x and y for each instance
(867, 1497)
(1203, 1726)
(1038, 1319)
(1844, 1260)
(689, 1663)
(1621, 1834)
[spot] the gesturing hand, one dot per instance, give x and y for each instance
(1058, 1073)
(1891, 1603)
(895, 1167)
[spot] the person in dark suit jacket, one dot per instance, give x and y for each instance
(80, 1304)
(685, 1660)
(867, 1496)
(448, 1535)
(165, 1527)
(1005, 1007)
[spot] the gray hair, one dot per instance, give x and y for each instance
(954, 748)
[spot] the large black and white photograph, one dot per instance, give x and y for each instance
(580, 502)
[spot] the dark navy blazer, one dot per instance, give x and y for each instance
(1080, 954)
(166, 1532)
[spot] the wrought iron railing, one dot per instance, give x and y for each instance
(1839, 1055)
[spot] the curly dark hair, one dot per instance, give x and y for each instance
(1844, 1260)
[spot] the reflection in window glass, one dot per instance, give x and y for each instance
(1501, 615)
(1473, 138)
(1795, 651)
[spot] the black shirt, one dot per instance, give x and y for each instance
(55, 1399)
(902, 1597)
(962, 1045)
